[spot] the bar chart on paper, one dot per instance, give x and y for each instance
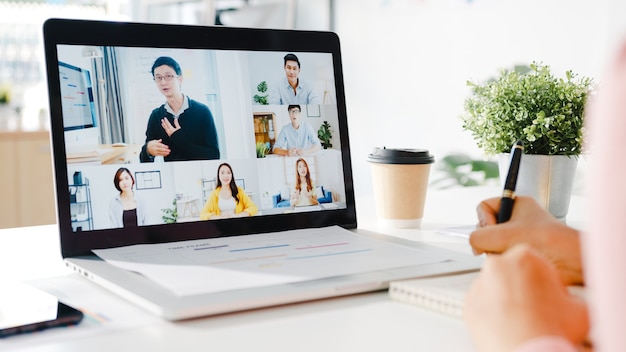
(264, 259)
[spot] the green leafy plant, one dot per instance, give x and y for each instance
(261, 99)
(461, 170)
(170, 215)
(324, 133)
(5, 93)
(543, 111)
(262, 149)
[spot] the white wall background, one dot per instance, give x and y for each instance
(406, 62)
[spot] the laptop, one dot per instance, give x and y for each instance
(193, 179)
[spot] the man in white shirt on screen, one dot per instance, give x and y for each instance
(296, 138)
(291, 89)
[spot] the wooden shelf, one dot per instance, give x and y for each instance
(27, 187)
(265, 128)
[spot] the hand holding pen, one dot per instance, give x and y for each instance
(508, 194)
(532, 225)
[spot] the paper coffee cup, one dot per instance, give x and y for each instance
(400, 180)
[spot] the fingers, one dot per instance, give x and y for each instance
(487, 210)
(518, 296)
(523, 255)
(525, 206)
(482, 239)
(165, 123)
(168, 127)
(528, 266)
(578, 325)
(158, 148)
(527, 219)
(492, 239)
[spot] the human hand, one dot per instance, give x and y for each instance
(293, 152)
(167, 126)
(519, 296)
(532, 225)
(295, 194)
(156, 147)
(223, 215)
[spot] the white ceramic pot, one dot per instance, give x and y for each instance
(547, 178)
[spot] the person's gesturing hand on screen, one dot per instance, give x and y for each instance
(158, 148)
(167, 126)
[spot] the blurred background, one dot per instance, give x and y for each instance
(406, 63)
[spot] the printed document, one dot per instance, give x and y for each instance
(238, 262)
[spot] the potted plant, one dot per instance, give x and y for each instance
(170, 215)
(461, 170)
(324, 133)
(262, 149)
(261, 98)
(5, 93)
(545, 112)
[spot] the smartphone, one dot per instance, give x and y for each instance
(26, 309)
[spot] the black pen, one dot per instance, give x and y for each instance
(508, 194)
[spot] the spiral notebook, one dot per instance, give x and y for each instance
(443, 294)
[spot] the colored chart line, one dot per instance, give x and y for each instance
(212, 247)
(324, 245)
(330, 254)
(257, 248)
(247, 259)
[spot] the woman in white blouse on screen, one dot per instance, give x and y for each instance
(126, 209)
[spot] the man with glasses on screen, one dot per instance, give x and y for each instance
(297, 137)
(181, 128)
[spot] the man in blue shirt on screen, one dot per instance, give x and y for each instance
(297, 137)
(292, 89)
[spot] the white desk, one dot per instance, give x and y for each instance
(365, 322)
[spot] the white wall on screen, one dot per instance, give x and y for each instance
(73, 55)
(232, 76)
(273, 166)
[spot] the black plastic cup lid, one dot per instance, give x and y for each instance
(400, 156)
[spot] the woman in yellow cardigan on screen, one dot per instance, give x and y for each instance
(227, 200)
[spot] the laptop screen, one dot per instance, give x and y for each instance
(164, 133)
